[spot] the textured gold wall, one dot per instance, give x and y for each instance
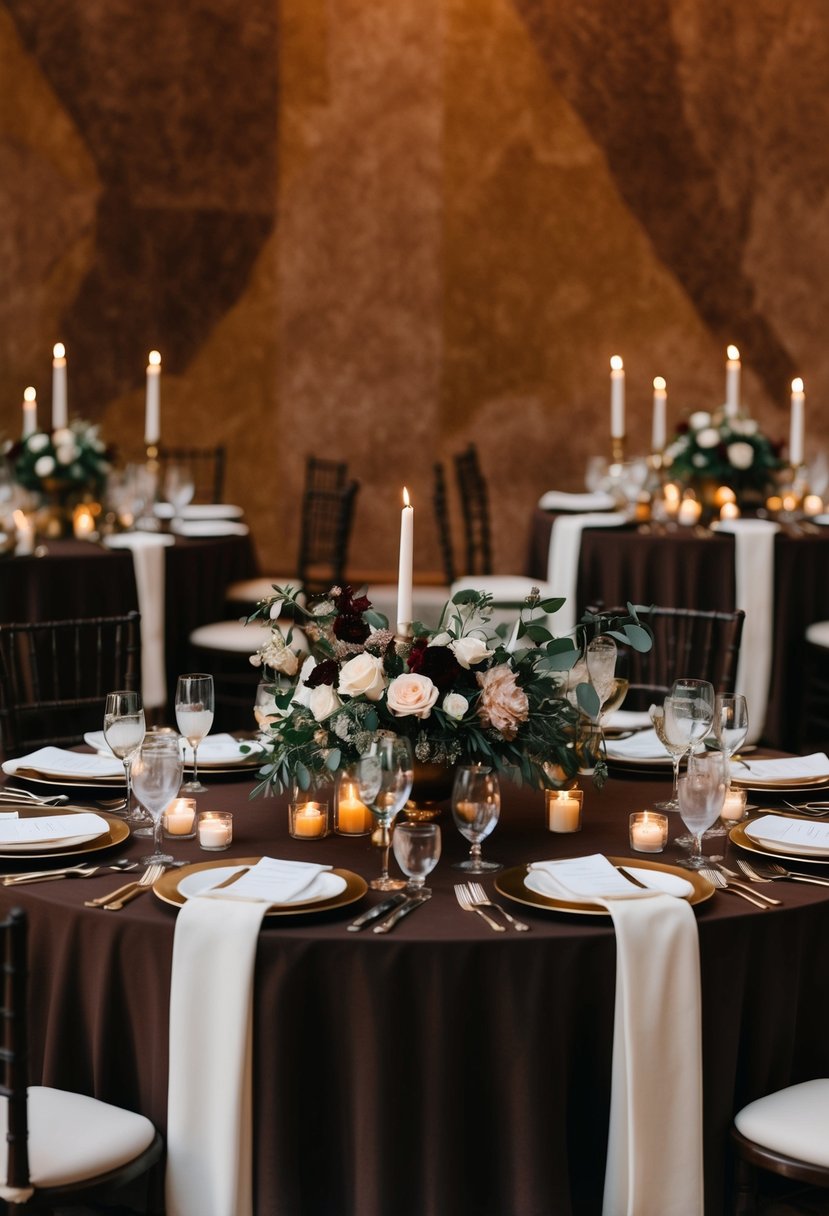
(377, 230)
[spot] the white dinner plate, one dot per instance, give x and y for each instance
(327, 885)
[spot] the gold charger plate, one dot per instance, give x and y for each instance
(167, 888)
(118, 832)
(738, 836)
(511, 884)
(33, 777)
(801, 785)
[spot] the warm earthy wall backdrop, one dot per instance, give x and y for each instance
(376, 229)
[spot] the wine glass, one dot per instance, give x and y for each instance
(123, 730)
(688, 712)
(417, 850)
(730, 729)
(701, 796)
(194, 716)
(179, 487)
(156, 777)
(476, 805)
(676, 746)
(385, 775)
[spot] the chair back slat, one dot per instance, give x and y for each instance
(54, 676)
(327, 518)
(474, 498)
(325, 474)
(440, 503)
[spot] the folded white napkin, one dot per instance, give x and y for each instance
(563, 559)
(58, 762)
(277, 882)
(209, 527)
(45, 828)
(209, 1107)
(560, 500)
(221, 749)
(628, 719)
(654, 1155)
(199, 510)
(784, 834)
(782, 770)
(149, 562)
(644, 745)
(754, 587)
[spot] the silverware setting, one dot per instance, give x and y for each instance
(83, 870)
(808, 808)
(479, 898)
(415, 901)
(719, 880)
(11, 793)
(465, 900)
(772, 872)
(378, 911)
(115, 900)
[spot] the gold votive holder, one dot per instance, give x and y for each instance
(564, 810)
(215, 829)
(648, 831)
(179, 819)
(351, 815)
(734, 806)
(308, 820)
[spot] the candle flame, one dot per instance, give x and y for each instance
(406, 500)
(797, 385)
(154, 358)
(732, 352)
(660, 383)
(59, 351)
(29, 394)
(616, 363)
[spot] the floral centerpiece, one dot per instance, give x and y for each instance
(724, 450)
(72, 458)
(463, 693)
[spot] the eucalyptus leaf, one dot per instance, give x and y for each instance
(588, 700)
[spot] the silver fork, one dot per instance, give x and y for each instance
(116, 899)
(817, 809)
(463, 897)
(770, 871)
(720, 881)
(81, 871)
(480, 898)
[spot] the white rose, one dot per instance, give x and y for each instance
(362, 676)
(36, 443)
(699, 420)
(411, 696)
(741, 455)
(275, 609)
(469, 651)
(323, 702)
(66, 453)
(455, 705)
(708, 437)
(63, 436)
(302, 695)
(44, 466)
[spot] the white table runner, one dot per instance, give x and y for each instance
(148, 559)
(563, 560)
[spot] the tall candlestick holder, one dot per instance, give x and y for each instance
(617, 448)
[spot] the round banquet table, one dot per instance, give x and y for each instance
(443, 1069)
(688, 569)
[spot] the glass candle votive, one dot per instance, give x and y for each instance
(564, 810)
(180, 818)
(351, 816)
(215, 830)
(308, 820)
(648, 831)
(734, 806)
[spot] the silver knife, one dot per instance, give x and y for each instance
(376, 912)
(399, 913)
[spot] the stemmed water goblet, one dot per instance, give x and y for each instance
(730, 730)
(123, 730)
(194, 716)
(417, 851)
(476, 805)
(701, 796)
(385, 775)
(156, 775)
(179, 487)
(687, 714)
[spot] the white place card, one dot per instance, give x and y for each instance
(793, 833)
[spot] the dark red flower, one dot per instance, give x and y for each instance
(325, 672)
(351, 629)
(348, 605)
(436, 662)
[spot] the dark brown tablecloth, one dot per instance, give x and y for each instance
(685, 570)
(443, 1070)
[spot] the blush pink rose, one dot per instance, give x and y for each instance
(502, 705)
(411, 695)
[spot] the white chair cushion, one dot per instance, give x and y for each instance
(252, 590)
(504, 588)
(793, 1121)
(234, 637)
(73, 1137)
(818, 634)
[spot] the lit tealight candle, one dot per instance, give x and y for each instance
(564, 810)
(796, 425)
(724, 494)
(215, 829)
(25, 534)
(689, 511)
(152, 411)
(308, 819)
(29, 412)
(353, 816)
(658, 427)
(729, 510)
(180, 818)
(83, 522)
(734, 806)
(732, 382)
(648, 832)
(59, 407)
(812, 504)
(671, 497)
(617, 397)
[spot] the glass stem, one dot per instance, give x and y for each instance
(157, 827)
(128, 779)
(696, 850)
(475, 853)
(196, 762)
(677, 760)
(386, 841)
